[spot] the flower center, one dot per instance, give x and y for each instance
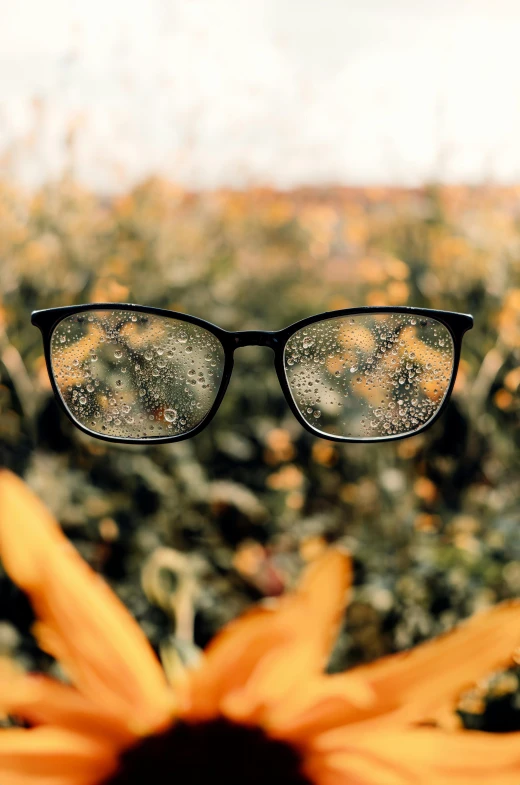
(210, 753)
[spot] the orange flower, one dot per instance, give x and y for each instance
(259, 708)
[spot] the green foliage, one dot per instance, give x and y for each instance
(432, 521)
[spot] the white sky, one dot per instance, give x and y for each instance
(234, 92)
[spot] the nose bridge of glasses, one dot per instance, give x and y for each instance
(255, 338)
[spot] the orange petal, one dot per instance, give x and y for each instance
(94, 635)
(306, 620)
(52, 756)
(325, 703)
(276, 675)
(324, 589)
(421, 755)
(354, 767)
(42, 701)
(424, 679)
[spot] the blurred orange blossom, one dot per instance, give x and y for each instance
(258, 709)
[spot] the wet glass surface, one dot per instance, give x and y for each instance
(134, 375)
(369, 376)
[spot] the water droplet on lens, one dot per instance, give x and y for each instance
(317, 413)
(308, 342)
(63, 338)
(148, 355)
(353, 368)
(170, 415)
(82, 400)
(183, 336)
(118, 354)
(90, 387)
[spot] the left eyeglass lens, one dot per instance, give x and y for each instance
(134, 375)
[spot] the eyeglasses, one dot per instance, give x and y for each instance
(140, 375)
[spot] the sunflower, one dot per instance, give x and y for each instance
(259, 709)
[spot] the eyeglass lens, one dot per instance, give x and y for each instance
(133, 375)
(369, 376)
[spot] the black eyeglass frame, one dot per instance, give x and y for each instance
(47, 320)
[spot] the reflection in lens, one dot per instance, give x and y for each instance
(134, 375)
(370, 376)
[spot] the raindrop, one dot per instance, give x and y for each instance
(118, 354)
(170, 415)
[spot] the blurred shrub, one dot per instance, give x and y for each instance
(433, 520)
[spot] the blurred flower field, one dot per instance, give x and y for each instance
(190, 534)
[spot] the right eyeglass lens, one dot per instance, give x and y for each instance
(134, 375)
(371, 375)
